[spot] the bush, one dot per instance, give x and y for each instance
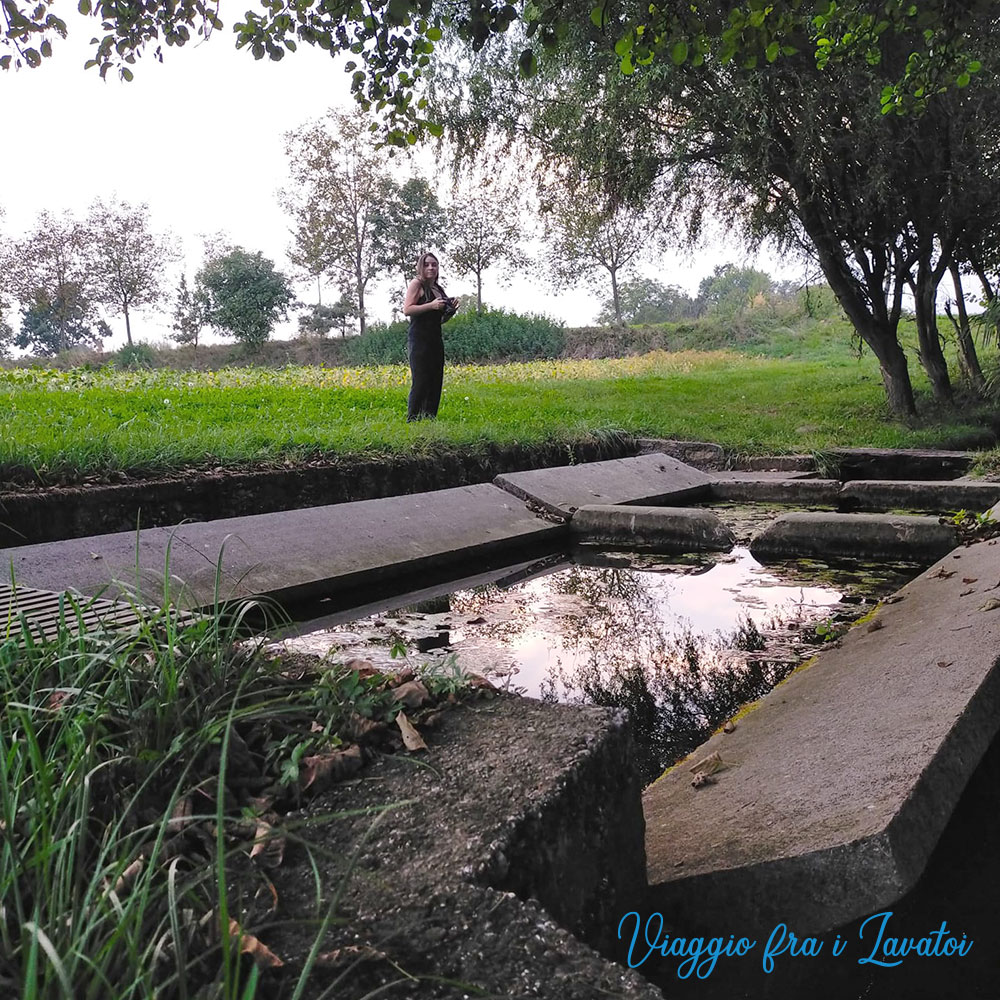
(468, 338)
(134, 356)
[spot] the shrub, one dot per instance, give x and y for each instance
(468, 338)
(134, 356)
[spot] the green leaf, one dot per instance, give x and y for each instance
(434, 34)
(771, 52)
(623, 46)
(84, 7)
(597, 17)
(974, 66)
(626, 64)
(962, 80)
(527, 63)
(127, 74)
(679, 53)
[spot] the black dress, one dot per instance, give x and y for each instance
(425, 348)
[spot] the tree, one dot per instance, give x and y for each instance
(126, 258)
(190, 314)
(784, 145)
(51, 326)
(339, 189)
(485, 229)
(731, 289)
(645, 300)
(320, 319)
(409, 221)
(589, 242)
(246, 296)
(48, 273)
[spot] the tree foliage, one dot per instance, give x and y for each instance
(190, 313)
(408, 221)
(246, 296)
(646, 300)
(51, 326)
(127, 259)
(339, 186)
(485, 228)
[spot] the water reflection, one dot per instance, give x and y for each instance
(681, 645)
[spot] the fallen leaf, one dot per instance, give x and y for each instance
(412, 694)
(700, 780)
(875, 624)
(945, 663)
(254, 947)
(709, 765)
(729, 727)
(364, 668)
(131, 873)
(412, 740)
(347, 954)
(321, 770)
(269, 846)
(181, 816)
(991, 605)
(965, 593)
(406, 674)
(969, 579)
(96, 555)
(476, 621)
(478, 681)
(893, 599)
(942, 574)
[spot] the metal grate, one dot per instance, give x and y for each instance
(46, 612)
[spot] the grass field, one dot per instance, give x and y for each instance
(62, 425)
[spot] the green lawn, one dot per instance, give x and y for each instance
(61, 425)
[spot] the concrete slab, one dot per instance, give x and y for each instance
(889, 494)
(290, 555)
(656, 529)
(700, 454)
(837, 785)
(645, 479)
(760, 487)
(870, 536)
(899, 463)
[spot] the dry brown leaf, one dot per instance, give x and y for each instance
(700, 780)
(269, 846)
(478, 681)
(729, 727)
(349, 953)
(322, 770)
(254, 947)
(412, 740)
(181, 816)
(943, 574)
(965, 593)
(893, 599)
(709, 765)
(128, 877)
(358, 728)
(945, 663)
(969, 579)
(875, 624)
(412, 694)
(365, 668)
(991, 605)
(57, 699)
(404, 675)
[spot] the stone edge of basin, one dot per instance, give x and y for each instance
(658, 529)
(873, 536)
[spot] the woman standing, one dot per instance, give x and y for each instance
(428, 307)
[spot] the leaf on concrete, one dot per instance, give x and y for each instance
(709, 765)
(991, 605)
(943, 574)
(412, 740)
(969, 579)
(322, 770)
(700, 780)
(945, 663)
(875, 624)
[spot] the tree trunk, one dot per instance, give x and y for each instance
(963, 334)
(615, 297)
(931, 355)
(128, 325)
(479, 292)
(361, 307)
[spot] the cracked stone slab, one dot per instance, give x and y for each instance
(644, 479)
(659, 529)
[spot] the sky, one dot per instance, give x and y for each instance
(199, 138)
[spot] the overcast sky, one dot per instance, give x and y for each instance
(199, 139)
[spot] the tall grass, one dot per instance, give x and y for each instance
(119, 752)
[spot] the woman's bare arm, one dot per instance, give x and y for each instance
(413, 308)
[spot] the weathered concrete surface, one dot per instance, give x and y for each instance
(645, 479)
(34, 515)
(701, 454)
(522, 827)
(761, 487)
(899, 463)
(887, 494)
(291, 555)
(659, 529)
(872, 536)
(840, 781)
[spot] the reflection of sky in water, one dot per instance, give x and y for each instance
(558, 629)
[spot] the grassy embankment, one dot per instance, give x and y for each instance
(787, 388)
